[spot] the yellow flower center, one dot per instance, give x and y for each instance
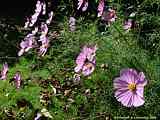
(89, 65)
(132, 86)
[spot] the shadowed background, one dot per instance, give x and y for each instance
(12, 17)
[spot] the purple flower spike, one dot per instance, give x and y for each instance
(129, 88)
(33, 19)
(17, 79)
(4, 71)
(86, 60)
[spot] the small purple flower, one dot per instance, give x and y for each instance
(76, 78)
(38, 116)
(27, 23)
(86, 60)
(17, 79)
(72, 24)
(127, 25)
(43, 8)
(109, 16)
(129, 88)
(100, 8)
(44, 29)
(45, 44)
(84, 8)
(80, 2)
(27, 44)
(33, 19)
(4, 71)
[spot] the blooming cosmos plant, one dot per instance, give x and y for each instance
(86, 60)
(4, 71)
(129, 88)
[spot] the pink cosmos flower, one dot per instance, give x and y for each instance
(100, 8)
(109, 16)
(86, 60)
(17, 79)
(4, 71)
(129, 88)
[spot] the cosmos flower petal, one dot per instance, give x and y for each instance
(80, 2)
(125, 71)
(121, 92)
(84, 8)
(143, 81)
(120, 83)
(100, 8)
(48, 21)
(125, 98)
(138, 101)
(129, 75)
(17, 79)
(77, 68)
(81, 59)
(20, 53)
(140, 91)
(4, 71)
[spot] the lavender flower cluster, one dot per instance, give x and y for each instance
(30, 41)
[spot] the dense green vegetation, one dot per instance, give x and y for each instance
(92, 98)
